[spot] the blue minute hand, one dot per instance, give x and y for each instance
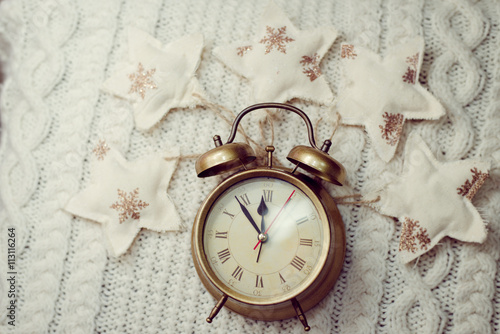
(248, 215)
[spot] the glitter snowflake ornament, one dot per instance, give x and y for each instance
(432, 200)
(282, 62)
(126, 196)
(381, 94)
(157, 78)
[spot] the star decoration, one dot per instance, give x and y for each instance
(126, 196)
(432, 200)
(157, 78)
(281, 62)
(381, 94)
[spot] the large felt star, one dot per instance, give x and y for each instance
(432, 199)
(381, 94)
(157, 78)
(282, 62)
(125, 196)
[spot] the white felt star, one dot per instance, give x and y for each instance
(281, 61)
(382, 93)
(125, 196)
(157, 78)
(432, 200)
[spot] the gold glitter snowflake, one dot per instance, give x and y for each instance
(311, 66)
(347, 51)
(101, 150)
(276, 39)
(142, 80)
(470, 188)
(393, 128)
(411, 233)
(128, 205)
(242, 50)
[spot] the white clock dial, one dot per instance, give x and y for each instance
(263, 238)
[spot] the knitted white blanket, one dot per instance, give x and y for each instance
(57, 54)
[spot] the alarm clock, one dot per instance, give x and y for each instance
(268, 242)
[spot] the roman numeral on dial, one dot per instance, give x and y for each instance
(282, 280)
(306, 242)
(298, 263)
(268, 195)
(258, 282)
(302, 220)
(227, 213)
(244, 198)
(224, 255)
(237, 273)
(222, 235)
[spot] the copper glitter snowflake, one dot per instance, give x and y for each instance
(411, 72)
(276, 39)
(101, 150)
(128, 205)
(242, 50)
(393, 128)
(142, 80)
(470, 188)
(347, 51)
(311, 66)
(413, 236)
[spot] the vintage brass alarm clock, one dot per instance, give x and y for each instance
(268, 243)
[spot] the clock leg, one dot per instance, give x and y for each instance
(217, 308)
(300, 314)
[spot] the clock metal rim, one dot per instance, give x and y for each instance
(326, 270)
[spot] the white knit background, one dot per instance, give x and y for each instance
(57, 53)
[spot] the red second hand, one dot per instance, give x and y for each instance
(258, 243)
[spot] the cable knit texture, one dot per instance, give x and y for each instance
(56, 55)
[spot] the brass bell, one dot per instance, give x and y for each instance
(318, 162)
(224, 158)
(229, 156)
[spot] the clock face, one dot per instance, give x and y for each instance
(263, 239)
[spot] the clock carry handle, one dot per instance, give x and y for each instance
(229, 156)
(288, 107)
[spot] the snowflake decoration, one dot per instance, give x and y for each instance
(141, 81)
(411, 72)
(312, 71)
(411, 233)
(101, 150)
(347, 51)
(470, 188)
(276, 39)
(413, 60)
(393, 128)
(242, 50)
(128, 206)
(410, 76)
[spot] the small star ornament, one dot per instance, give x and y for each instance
(158, 78)
(432, 200)
(381, 94)
(282, 62)
(126, 196)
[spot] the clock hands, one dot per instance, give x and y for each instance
(265, 233)
(262, 211)
(248, 215)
